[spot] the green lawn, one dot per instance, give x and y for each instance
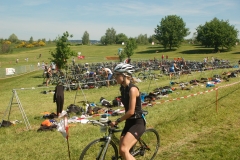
(96, 53)
(190, 128)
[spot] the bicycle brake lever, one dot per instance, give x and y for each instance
(115, 126)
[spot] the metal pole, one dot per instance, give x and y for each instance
(216, 99)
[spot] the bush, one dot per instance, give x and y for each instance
(6, 48)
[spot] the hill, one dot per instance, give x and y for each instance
(204, 125)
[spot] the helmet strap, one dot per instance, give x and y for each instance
(124, 80)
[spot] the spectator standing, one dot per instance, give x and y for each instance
(182, 63)
(49, 74)
(38, 64)
(212, 60)
(204, 61)
(108, 74)
(73, 61)
(58, 97)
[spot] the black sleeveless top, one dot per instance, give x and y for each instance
(125, 100)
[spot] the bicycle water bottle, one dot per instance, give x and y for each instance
(103, 119)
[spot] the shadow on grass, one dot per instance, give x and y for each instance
(201, 51)
(236, 53)
(198, 51)
(40, 76)
(156, 50)
(155, 47)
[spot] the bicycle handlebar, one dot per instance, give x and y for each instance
(96, 122)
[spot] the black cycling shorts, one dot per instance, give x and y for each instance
(48, 75)
(135, 126)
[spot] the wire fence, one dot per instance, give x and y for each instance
(15, 71)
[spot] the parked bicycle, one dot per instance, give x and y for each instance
(105, 148)
(146, 74)
(175, 75)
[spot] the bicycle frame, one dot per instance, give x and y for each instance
(111, 140)
(110, 137)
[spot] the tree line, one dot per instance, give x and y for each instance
(170, 33)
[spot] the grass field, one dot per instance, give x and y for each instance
(96, 53)
(191, 128)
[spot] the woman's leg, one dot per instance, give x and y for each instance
(126, 143)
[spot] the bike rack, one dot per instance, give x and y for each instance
(79, 87)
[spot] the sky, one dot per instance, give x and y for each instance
(51, 18)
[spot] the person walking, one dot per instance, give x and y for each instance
(135, 124)
(172, 69)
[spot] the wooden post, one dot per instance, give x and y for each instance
(216, 99)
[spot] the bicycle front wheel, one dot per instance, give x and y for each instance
(151, 76)
(142, 76)
(147, 146)
(94, 150)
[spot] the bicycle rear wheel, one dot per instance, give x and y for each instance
(94, 150)
(142, 76)
(147, 147)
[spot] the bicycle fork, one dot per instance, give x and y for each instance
(104, 147)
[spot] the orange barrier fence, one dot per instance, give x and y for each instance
(112, 58)
(199, 93)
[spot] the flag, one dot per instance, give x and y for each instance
(66, 126)
(62, 126)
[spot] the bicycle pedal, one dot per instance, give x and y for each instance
(114, 158)
(142, 152)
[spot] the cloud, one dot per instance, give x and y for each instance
(49, 18)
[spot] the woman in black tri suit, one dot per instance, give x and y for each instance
(134, 122)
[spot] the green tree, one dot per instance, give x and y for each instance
(217, 33)
(102, 40)
(121, 56)
(31, 40)
(171, 31)
(110, 36)
(121, 38)
(62, 51)
(85, 38)
(142, 39)
(130, 47)
(44, 40)
(13, 38)
(152, 39)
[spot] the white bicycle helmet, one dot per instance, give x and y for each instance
(124, 68)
